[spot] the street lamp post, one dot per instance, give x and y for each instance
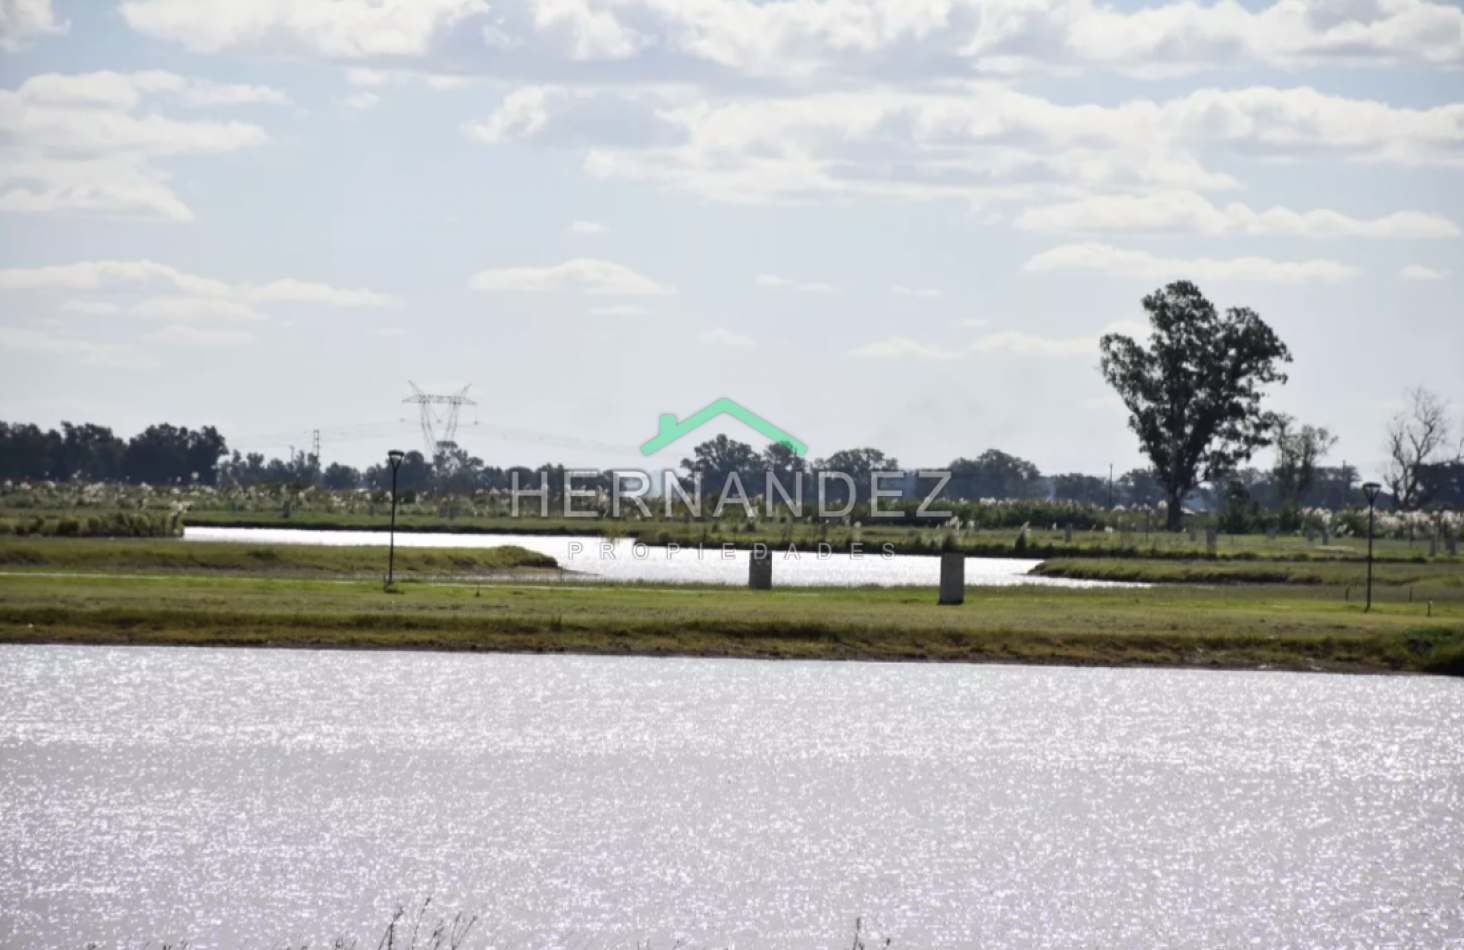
(394, 457)
(1370, 489)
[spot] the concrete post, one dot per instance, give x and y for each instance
(1191, 534)
(1270, 534)
(1453, 544)
(1211, 537)
(1326, 537)
(1067, 535)
(1433, 545)
(1309, 535)
(760, 568)
(952, 578)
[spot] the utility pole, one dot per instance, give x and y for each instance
(1371, 490)
(394, 459)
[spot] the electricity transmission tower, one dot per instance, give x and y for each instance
(438, 428)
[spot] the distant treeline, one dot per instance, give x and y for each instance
(159, 455)
(171, 455)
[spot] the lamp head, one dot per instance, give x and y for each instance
(1371, 489)
(395, 457)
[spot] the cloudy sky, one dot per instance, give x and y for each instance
(899, 223)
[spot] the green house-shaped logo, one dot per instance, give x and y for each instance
(671, 430)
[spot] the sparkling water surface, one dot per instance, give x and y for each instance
(588, 558)
(254, 798)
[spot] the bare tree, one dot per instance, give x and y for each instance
(1298, 450)
(1415, 437)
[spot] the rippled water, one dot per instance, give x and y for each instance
(249, 798)
(631, 562)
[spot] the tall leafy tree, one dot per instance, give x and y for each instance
(202, 452)
(165, 454)
(89, 451)
(995, 474)
(857, 464)
(1084, 489)
(1194, 394)
(1140, 487)
(780, 461)
(26, 451)
(340, 476)
(1299, 449)
(714, 460)
(415, 473)
(456, 469)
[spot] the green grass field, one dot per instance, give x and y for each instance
(1438, 578)
(1040, 541)
(321, 599)
(126, 555)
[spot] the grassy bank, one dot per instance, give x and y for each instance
(91, 524)
(133, 556)
(1279, 627)
(1442, 577)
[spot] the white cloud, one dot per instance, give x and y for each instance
(22, 21)
(1186, 211)
(902, 346)
(620, 310)
(449, 83)
(187, 336)
(92, 308)
(336, 29)
(359, 102)
(1004, 341)
(369, 78)
(194, 308)
(111, 275)
(584, 228)
(91, 143)
(111, 189)
(975, 141)
(587, 276)
(818, 41)
(721, 336)
(379, 78)
(1126, 263)
(900, 290)
(306, 292)
(127, 91)
(206, 94)
(90, 352)
(1417, 272)
(1012, 341)
(156, 291)
(775, 282)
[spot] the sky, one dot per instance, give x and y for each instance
(891, 223)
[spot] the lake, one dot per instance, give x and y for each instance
(585, 559)
(259, 798)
